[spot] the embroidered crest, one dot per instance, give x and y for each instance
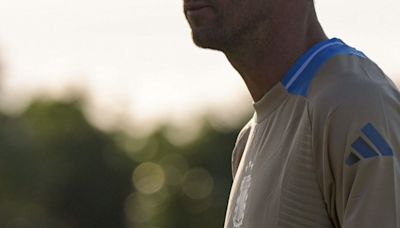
(242, 198)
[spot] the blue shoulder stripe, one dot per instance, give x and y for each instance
(376, 138)
(297, 81)
(364, 149)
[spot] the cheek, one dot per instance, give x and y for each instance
(233, 14)
(237, 16)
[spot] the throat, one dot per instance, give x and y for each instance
(261, 66)
(262, 62)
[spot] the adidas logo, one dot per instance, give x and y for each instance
(363, 150)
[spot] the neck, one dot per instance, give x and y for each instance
(264, 56)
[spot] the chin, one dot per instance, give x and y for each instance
(215, 39)
(205, 42)
(208, 39)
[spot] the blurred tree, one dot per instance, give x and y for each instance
(196, 179)
(56, 170)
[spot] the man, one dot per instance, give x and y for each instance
(323, 147)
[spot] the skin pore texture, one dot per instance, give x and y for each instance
(261, 38)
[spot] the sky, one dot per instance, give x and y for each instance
(136, 60)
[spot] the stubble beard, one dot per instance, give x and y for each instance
(223, 37)
(214, 38)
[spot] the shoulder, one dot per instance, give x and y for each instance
(353, 106)
(353, 85)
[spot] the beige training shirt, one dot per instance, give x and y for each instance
(322, 149)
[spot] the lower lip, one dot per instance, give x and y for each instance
(199, 12)
(201, 17)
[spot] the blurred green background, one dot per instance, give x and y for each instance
(57, 170)
(100, 104)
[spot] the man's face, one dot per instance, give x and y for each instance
(219, 24)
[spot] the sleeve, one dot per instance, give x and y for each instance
(357, 144)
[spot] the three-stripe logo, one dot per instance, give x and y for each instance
(363, 150)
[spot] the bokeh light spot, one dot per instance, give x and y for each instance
(140, 150)
(197, 184)
(175, 166)
(148, 178)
